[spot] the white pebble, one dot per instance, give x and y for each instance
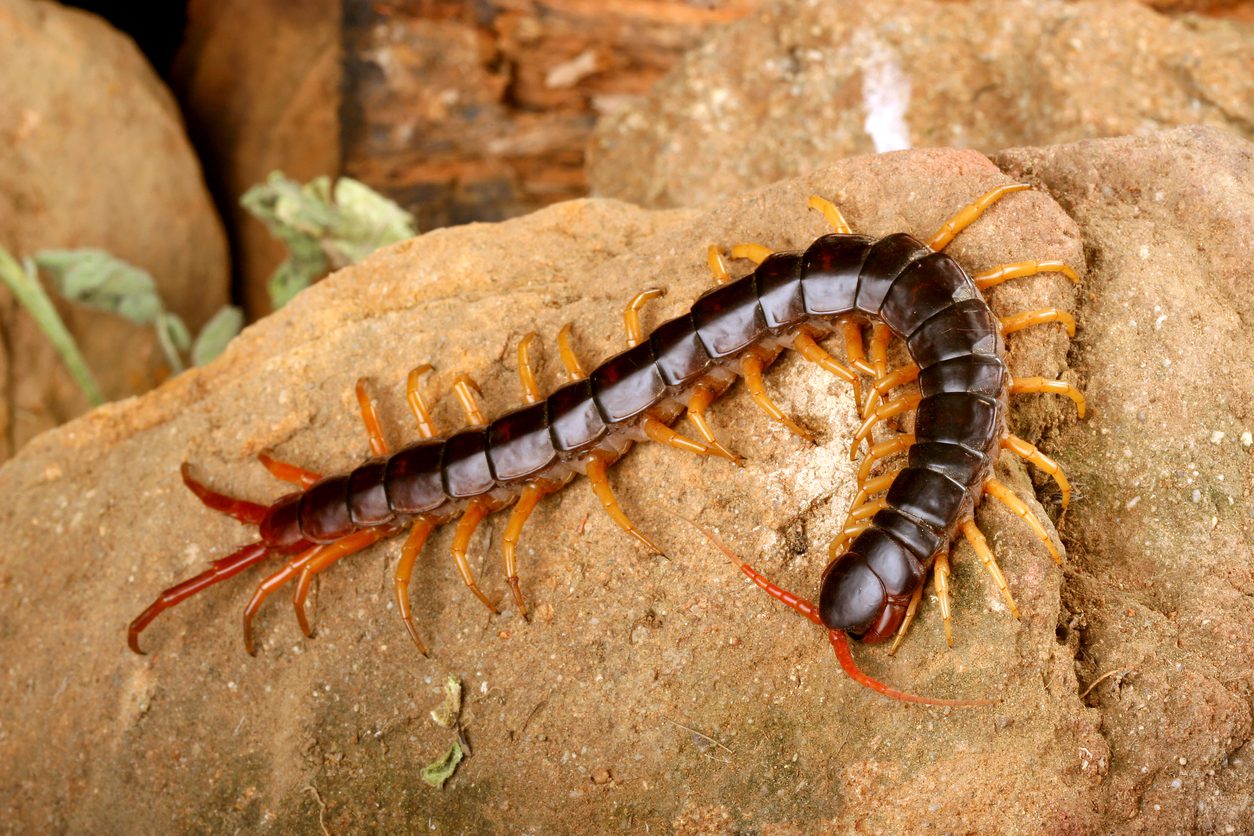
(1217, 437)
(1132, 503)
(1247, 439)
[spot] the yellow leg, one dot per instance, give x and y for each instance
(975, 537)
(631, 314)
(754, 252)
(1021, 269)
(698, 402)
(880, 483)
(527, 374)
(908, 620)
(659, 432)
(717, 266)
(475, 513)
(569, 360)
(527, 502)
(896, 444)
(1028, 451)
(1000, 492)
(418, 404)
(751, 368)
(1056, 387)
(940, 578)
(833, 215)
(1019, 321)
(271, 583)
(466, 390)
(886, 383)
(405, 571)
(595, 470)
(812, 351)
(894, 407)
(868, 509)
(968, 214)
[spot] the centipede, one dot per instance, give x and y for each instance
(902, 523)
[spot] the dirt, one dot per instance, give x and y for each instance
(709, 707)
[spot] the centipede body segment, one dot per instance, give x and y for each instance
(903, 522)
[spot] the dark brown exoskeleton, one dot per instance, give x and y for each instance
(903, 286)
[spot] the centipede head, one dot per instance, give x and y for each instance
(852, 599)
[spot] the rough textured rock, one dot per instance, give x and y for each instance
(627, 655)
(1161, 584)
(94, 155)
(260, 82)
(799, 84)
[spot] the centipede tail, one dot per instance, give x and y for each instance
(905, 287)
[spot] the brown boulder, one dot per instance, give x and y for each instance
(797, 85)
(95, 156)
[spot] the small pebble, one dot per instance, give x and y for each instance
(1217, 437)
(601, 776)
(1247, 439)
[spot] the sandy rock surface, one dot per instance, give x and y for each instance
(93, 156)
(666, 693)
(796, 85)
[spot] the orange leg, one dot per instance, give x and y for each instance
(698, 402)
(1056, 387)
(418, 404)
(527, 502)
(417, 538)
(968, 214)
(751, 367)
(754, 252)
(475, 514)
(631, 314)
(569, 358)
(659, 432)
(718, 267)
(595, 469)
(334, 552)
(854, 352)
(466, 390)
(1021, 269)
(881, 336)
(1029, 452)
(972, 534)
(911, 611)
(267, 587)
(879, 483)
(370, 417)
(892, 446)
(812, 351)
(999, 491)
(904, 403)
(833, 215)
(288, 472)
(846, 534)
(940, 578)
(1019, 321)
(526, 374)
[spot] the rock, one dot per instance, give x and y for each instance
(199, 734)
(798, 84)
(95, 157)
(1160, 583)
(281, 114)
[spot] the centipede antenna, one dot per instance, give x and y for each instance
(839, 642)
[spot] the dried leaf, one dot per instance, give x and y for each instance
(450, 710)
(440, 771)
